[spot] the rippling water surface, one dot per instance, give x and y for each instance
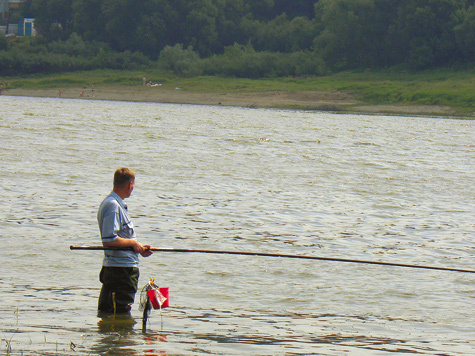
(393, 189)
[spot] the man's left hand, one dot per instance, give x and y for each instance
(147, 252)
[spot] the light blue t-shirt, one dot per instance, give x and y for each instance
(114, 220)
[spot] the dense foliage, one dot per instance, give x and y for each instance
(245, 38)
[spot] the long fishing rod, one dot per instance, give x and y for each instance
(264, 254)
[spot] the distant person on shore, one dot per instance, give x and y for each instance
(93, 90)
(120, 273)
(2, 87)
(144, 80)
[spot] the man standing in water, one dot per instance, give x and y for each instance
(119, 274)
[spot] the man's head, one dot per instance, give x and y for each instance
(124, 182)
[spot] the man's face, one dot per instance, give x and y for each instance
(130, 187)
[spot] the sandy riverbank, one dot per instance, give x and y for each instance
(308, 100)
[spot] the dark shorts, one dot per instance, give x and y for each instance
(119, 285)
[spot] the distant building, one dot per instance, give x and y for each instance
(26, 27)
(7, 5)
(3, 9)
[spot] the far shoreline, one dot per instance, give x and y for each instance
(325, 101)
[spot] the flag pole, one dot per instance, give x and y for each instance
(265, 254)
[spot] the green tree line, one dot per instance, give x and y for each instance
(244, 38)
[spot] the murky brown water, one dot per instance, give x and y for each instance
(393, 189)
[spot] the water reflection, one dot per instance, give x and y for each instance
(115, 329)
(121, 338)
(155, 344)
(116, 323)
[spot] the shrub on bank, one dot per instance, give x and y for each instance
(31, 56)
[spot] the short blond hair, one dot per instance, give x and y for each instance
(123, 176)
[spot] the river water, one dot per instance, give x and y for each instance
(394, 189)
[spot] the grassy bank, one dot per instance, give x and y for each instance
(443, 92)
